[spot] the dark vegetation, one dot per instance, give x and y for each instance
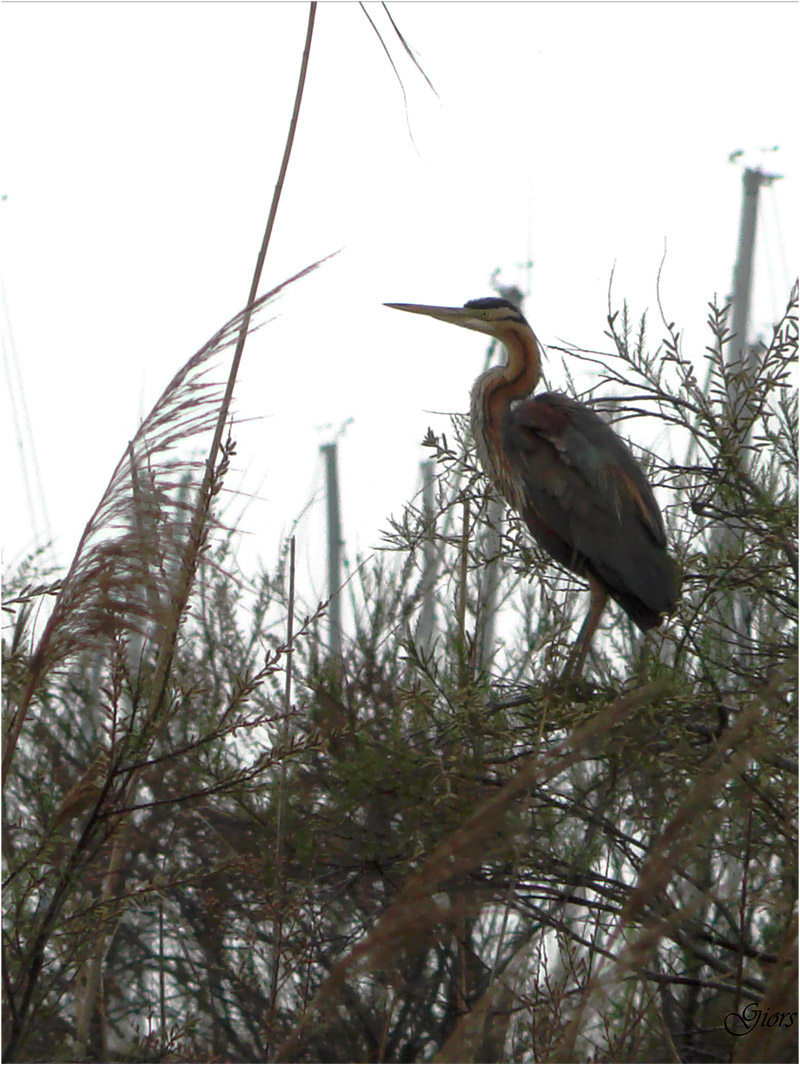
(412, 852)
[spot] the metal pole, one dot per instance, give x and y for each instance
(740, 354)
(427, 618)
(743, 271)
(737, 611)
(495, 511)
(334, 549)
(491, 579)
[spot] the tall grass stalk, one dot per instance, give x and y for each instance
(112, 578)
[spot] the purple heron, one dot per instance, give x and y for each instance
(579, 489)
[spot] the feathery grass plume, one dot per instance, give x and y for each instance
(123, 576)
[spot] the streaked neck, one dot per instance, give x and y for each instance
(496, 389)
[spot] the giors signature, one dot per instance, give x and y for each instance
(752, 1016)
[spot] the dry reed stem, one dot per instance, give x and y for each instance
(771, 1045)
(491, 1015)
(202, 510)
(201, 516)
(103, 588)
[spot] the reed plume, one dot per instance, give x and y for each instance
(135, 560)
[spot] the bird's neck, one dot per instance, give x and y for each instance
(497, 388)
(517, 377)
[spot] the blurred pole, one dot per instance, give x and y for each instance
(737, 613)
(491, 580)
(743, 270)
(330, 452)
(741, 355)
(490, 584)
(427, 616)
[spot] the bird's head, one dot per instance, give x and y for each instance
(491, 315)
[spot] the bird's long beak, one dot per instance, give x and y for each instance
(457, 315)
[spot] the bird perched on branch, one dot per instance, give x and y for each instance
(576, 484)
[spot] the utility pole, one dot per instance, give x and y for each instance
(490, 584)
(334, 549)
(492, 538)
(740, 354)
(427, 616)
(737, 615)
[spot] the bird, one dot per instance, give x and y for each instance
(572, 479)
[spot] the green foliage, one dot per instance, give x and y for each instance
(430, 848)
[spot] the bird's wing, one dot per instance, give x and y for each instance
(562, 448)
(584, 489)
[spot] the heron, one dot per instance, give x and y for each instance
(572, 479)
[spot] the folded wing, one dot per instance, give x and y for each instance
(588, 503)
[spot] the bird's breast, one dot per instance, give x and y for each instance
(487, 434)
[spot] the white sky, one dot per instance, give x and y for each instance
(141, 143)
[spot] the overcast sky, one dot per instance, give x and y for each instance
(141, 143)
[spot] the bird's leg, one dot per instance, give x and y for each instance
(577, 656)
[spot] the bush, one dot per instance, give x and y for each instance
(223, 844)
